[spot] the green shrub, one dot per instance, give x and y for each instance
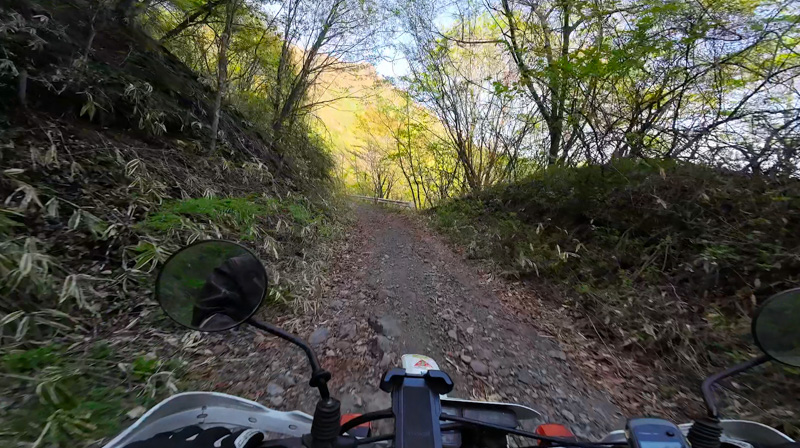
(241, 213)
(31, 360)
(649, 247)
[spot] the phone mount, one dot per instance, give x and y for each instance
(416, 406)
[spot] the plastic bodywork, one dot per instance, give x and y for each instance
(742, 433)
(209, 409)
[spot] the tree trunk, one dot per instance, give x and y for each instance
(22, 88)
(301, 84)
(554, 130)
(222, 70)
(190, 20)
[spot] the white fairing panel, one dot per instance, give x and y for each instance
(210, 409)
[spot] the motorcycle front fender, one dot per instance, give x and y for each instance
(211, 409)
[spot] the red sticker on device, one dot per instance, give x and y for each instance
(422, 363)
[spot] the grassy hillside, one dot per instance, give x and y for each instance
(663, 260)
(105, 172)
(349, 97)
(346, 95)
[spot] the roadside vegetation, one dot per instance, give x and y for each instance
(665, 261)
(130, 129)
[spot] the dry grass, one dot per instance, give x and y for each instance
(663, 262)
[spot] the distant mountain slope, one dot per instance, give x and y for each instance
(347, 95)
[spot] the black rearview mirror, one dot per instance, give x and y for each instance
(211, 285)
(776, 327)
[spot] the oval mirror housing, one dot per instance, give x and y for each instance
(211, 285)
(776, 327)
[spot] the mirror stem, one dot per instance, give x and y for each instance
(708, 383)
(319, 376)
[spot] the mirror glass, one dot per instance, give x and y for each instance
(776, 327)
(211, 285)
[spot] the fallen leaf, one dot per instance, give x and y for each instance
(136, 412)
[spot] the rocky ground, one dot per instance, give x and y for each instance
(396, 288)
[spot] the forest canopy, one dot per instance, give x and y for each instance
(517, 85)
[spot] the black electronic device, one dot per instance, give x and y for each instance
(654, 433)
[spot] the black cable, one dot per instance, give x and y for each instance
(365, 418)
(367, 440)
(364, 441)
(519, 432)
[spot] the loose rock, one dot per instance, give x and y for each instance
(385, 361)
(479, 367)
(274, 389)
(288, 380)
(525, 377)
(318, 336)
(384, 344)
(349, 331)
(387, 326)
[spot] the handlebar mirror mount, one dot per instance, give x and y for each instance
(215, 285)
(775, 332)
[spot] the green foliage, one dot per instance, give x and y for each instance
(645, 245)
(30, 360)
(239, 212)
(66, 395)
(145, 367)
(300, 213)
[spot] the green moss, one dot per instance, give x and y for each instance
(31, 360)
(239, 212)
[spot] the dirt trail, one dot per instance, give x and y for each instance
(395, 289)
